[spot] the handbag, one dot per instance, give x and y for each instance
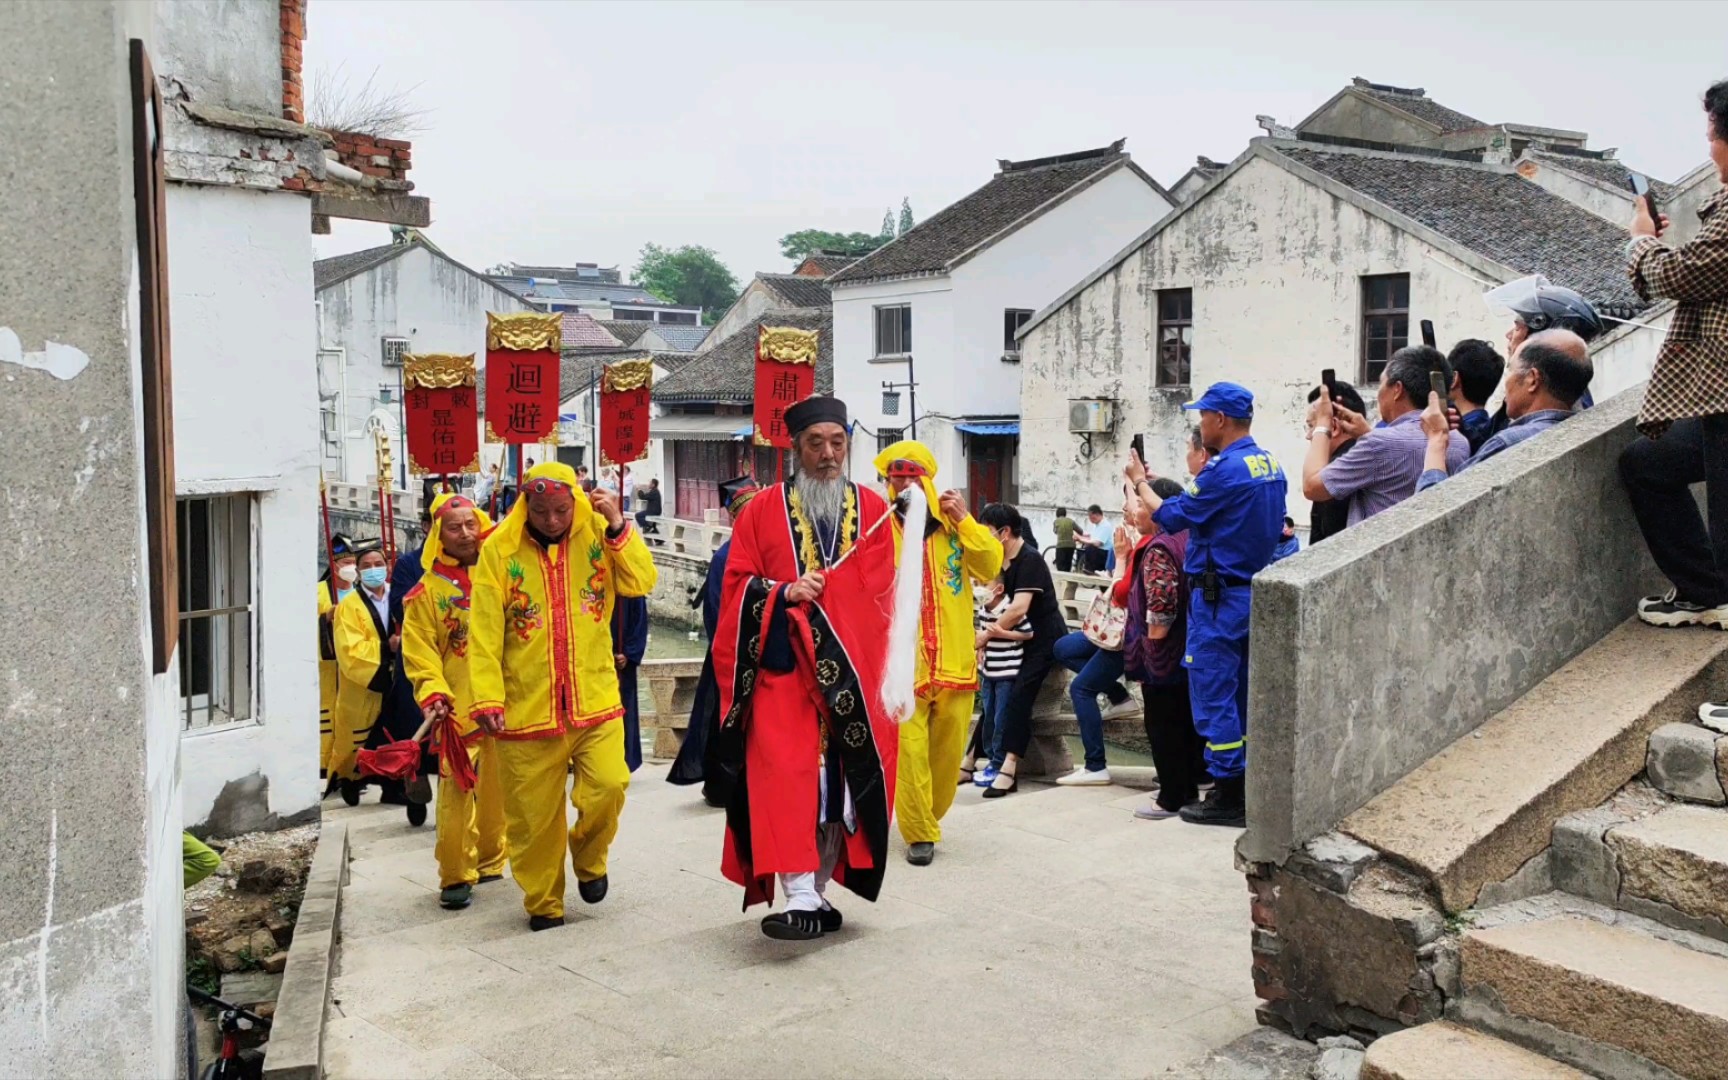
(1105, 622)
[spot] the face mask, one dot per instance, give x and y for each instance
(374, 577)
(346, 572)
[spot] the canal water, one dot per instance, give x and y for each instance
(668, 641)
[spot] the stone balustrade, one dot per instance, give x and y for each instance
(672, 686)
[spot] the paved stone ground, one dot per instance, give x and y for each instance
(1055, 935)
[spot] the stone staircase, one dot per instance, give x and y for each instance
(1548, 897)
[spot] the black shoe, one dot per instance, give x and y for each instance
(416, 814)
(921, 853)
(538, 923)
(350, 791)
(1226, 806)
(793, 925)
(455, 897)
(995, 792)
(1669, 610)
(484, 878)
(830, 919)
(418, 790)
(592, 892)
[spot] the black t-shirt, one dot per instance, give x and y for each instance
(1027, 572)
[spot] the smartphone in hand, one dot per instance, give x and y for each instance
(1138, 445)
(1329, 379)
(1437, 383)
(1640, 185)
(1428, 333)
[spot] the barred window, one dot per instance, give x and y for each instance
(1385, 323)
(218, 672)
(894, 330)
(1175, 337)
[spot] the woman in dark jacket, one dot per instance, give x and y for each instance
(1032, 596)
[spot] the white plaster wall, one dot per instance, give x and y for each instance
(755, 299)
(437, 305)
(957, 320)
(1275, 265)
(246, 420)
(227, 52)
(1610, 204)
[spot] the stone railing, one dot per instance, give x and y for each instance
(1377, 649)
(679, 536)
(672, 686)
(1075, 593)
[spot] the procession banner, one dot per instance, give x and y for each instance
(522, 353)
(443, 415)
(624, 391)
(785, 375)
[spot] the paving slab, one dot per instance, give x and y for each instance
(1445, 1051)
(1055, 934)
(1679, 858)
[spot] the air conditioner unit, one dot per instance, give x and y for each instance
(1089, 416)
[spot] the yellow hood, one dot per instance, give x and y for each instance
(434, 537)
(920, 455)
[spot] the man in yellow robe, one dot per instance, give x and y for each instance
(544, 681)
(957, 551)
(365, 654)
(338, 580)
(470, 848)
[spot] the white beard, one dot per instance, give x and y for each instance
(823, 500)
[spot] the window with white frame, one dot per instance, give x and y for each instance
(894, 330)
(218, 657)
(394, 347)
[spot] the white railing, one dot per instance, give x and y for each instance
(695, 539)
(361, 498)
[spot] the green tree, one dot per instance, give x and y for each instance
(887, 224)
(807, 242)
(690, 275)
(906, 220)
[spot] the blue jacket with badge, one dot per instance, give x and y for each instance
(1233, 511)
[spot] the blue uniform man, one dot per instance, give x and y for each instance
(1234, 513)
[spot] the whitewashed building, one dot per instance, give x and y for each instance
(373, 306)
(1301, 255)
(600, 291)
(939, 307)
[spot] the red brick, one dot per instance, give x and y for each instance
(394, 144)
(294, 183)
(373, 170)
(1264, 915)
(401, 155)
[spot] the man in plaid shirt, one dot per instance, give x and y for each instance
(1684, 420)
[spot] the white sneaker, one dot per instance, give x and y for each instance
(1669, 610)
(1714, 716)
(1128, 710)
(1082, 777)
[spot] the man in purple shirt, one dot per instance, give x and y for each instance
(1381, 470)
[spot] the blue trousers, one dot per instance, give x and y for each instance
(1217, 663)
(1096, 671)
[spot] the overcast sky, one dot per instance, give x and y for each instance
(563, 132)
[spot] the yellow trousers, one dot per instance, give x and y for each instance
(326, 711)
(931, 746)
(471, 823)
(536, 775)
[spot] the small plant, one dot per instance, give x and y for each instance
(200, 972)
(1459, 922)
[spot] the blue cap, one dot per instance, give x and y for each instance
(1227, 398)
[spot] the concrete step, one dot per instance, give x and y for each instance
(1483, 807)
(1689, 762)
(1674, 868)
(1446, 1051)
(1609, 984)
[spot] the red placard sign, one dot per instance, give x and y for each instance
(522, 377)
(443, 416)
(785, 375)
(624, 390)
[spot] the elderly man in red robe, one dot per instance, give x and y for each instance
(800, 655)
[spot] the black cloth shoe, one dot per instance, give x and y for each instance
(484, 878)
(538, 923)
(998, 788)
(1227, 806)
(418, 790)
(921, 853)
(793, 925)
(455, 897)
(350, 791)
(592, 892)
(830, 919)
(416, 814)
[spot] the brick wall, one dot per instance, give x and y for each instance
(386, 159)
(293, 41)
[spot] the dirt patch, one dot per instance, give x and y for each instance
(241, 918)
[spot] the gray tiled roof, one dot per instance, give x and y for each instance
(1012, 194)
(685, 339)
(800, 292)
(727, 372)
(627, 331)
(1418, 104)
(1493, 212)
(327, 272)
(612, 292)
(1603, 170)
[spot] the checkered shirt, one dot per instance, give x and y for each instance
(1691, 376)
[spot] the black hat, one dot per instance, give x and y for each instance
(734, 493)
(364, 547)
(341, 544)
(815, 410)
